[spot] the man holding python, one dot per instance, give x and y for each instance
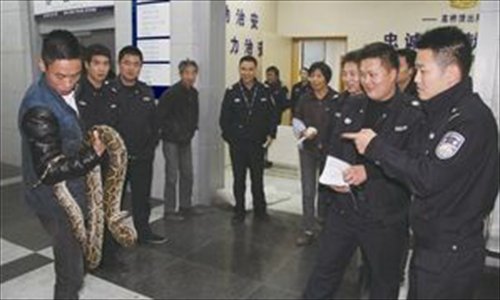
(56, 158)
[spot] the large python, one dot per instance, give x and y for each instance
(103, 200)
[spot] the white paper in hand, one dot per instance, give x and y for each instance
(333, 173)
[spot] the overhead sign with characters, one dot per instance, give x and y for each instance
(45, 9)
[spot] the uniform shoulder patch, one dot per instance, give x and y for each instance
(449, 145)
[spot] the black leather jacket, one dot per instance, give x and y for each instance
(50, 128)
(41, 128)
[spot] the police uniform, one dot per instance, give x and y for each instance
(137, 124)
(453, 175)
(96, 106)
(279, 93)
(247, 118)
(372, 216)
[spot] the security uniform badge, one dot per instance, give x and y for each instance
(449, 145)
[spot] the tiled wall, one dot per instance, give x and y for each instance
(16, 74)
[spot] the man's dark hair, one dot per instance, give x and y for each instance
(386, 53)
(323, 68)
(248, 58)
(304, 69)
(183, 65)
(275, 70)
(60, 44)
(95, 50)
(129, 50)
(450, 45)
(409, 55)
(352, 56)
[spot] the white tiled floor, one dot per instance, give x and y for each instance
(47, 252)
(38, 284)
(11, 252)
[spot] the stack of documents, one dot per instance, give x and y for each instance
(333, 173)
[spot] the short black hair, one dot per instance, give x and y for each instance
(96, 49)
(129, 50)
(323, 68)
(450, 45)
(60, 44)
(184, 64)
(409, 55)
(386, 53)
(248, 58)
(274, 69)
(352, 56)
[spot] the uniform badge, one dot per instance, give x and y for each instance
(400, 128)
(449, 145)
(82, 103)
(146, 98)
(237, 100)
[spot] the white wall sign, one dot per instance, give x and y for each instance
(155, 50)
(153, 19)
(155, 74)
(151, 34)
(56, 8)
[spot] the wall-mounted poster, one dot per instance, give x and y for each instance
(151, 34)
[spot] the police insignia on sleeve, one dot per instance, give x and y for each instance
(449, 145)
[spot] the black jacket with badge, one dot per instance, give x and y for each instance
(382, 197)
(137, 120)
(97, 106)
(298, 90)
(248, 117)
(452, 169)
(178, 114)
(280, 96)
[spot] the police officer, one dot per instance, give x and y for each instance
(407, 72)
(299, 88)
(138, 127)
(248, 123)
(452, 171)
(371, 212)
(279, 93)
(94, 98)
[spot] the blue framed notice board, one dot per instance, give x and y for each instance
(151, 34)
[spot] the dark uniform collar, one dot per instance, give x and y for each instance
(275, 85)
(85, 83)
(129, 87)
(446, 100)
(329, 95)
(255, 84)
(391, 103)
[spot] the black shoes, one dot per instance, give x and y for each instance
(268, 164)
(238, 219)
(262, 216)
(152, 238)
